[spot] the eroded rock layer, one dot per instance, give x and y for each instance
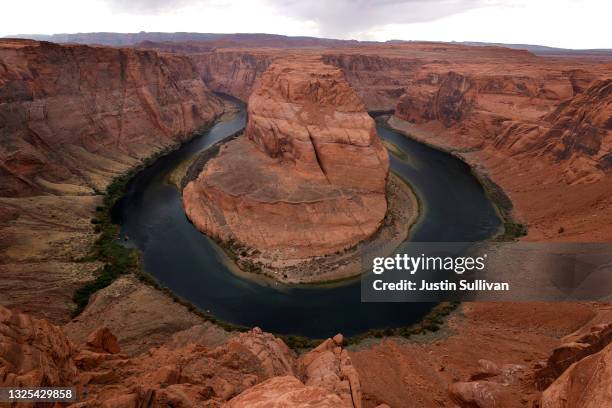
(72, 117)
(307, 178)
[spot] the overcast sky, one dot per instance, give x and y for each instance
(558, 23)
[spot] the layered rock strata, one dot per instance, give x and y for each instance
(308, 176)
(71, 119)
(552, 156)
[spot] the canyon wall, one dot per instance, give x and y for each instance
(378, 79)
(542, 132)
(233, 72)
(307, 178)
(71, 119)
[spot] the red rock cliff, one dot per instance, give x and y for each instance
(232, 72)
(542, 133)
(71, 117)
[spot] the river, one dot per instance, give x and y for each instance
(454, 208)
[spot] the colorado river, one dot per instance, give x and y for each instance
(455, 208)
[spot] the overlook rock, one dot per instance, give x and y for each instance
(308, 176)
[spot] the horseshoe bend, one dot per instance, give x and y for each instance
(186, 219)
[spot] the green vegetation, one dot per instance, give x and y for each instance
(117, 260)
(512, 229)
(432, 322)
(395, 150)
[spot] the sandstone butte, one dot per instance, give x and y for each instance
(491, 355)
(307, 178)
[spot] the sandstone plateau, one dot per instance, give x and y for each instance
(308, 176)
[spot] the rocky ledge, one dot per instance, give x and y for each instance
(251, 369)
(307, 179)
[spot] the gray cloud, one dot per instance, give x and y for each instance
(342, 17)
(336, 18)
(149, 6)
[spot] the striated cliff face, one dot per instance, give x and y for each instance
(537, 128)
(581, 133)
(378, 79)
(72, 117)
(232, 72)
(447, 98)
(518, 116)
(307, 178)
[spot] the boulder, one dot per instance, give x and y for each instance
(286, 391)
(585, 384)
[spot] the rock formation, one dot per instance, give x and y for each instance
(34, 352)
(72, 117)
(286, 392)
(581, 133)
(585, 384)
(307, 178)
(574, 349)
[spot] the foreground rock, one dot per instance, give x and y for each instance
(585, 384)
(286, 392)
(573, 350)
(33, 352)
(181, 373)
(308, 177)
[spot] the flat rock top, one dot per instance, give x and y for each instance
(310, 83)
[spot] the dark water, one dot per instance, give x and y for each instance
(181, 258)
